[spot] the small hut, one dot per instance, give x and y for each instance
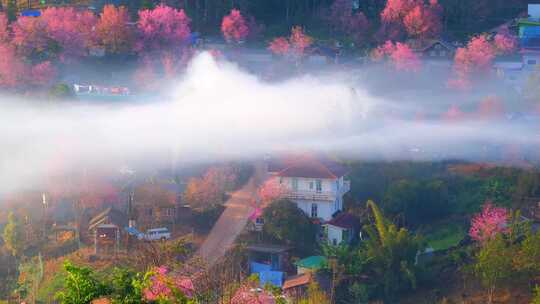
(107, 229)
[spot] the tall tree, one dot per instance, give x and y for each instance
(4, 30)
(234, 27)
(112, 30)
(391, 253)
(489, 223)
(71, 29)
(423, 22)
(399, 55)
(299, 41)
(14, 237)
(31, 38)
(494, 264)
(286, 223)
(343, 20)
(163, 28)
(279, 46)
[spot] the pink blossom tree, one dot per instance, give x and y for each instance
(271, 190)
(31, 38)
(112, 30)
(162, 287)
(279, 46)
(72, 30)
(299, 41)
(505, 43)
(477, 56)
(412, 17)
(490, 222)
(423, 22)
(163, 28)
(399, 54)
(396, 10)
(234, 27)
(43, 73)
(12, 68)
(296, 45)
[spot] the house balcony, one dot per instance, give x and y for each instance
(311, 196)
(329, 196)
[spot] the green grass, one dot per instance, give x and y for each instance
(445, 237)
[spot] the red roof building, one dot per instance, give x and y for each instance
(315, 183)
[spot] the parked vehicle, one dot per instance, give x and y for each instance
(155, 234)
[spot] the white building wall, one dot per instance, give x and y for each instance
(326, 208)
(533, 10)
(334, 235)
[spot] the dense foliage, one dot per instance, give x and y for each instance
(284, 222)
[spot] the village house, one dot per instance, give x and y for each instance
(107, 230)
(433, 49)
(343, 228)
(316, 185)
(155, 205)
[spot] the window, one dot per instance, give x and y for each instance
(318, 185)
(149, 211)
(345, 235)
(531, 62)
(168, 212)
(280, 180)
(295, 184)
(314, 210)
(310, 185)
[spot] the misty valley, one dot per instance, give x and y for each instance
(270, 152)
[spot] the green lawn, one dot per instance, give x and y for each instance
(445, 237)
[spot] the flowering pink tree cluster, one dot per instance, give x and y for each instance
(271, 190)
(112, 32)
(477, 56)
(488, 223)
(163, 287)
(343, 19)
(279, 46)
(399, 54)
(30, 37)
(296, 45)
(162, 28)
(12, 68)
(163, 41)
(412, 17)
(504, 42)
(234, 27)
(70, 29)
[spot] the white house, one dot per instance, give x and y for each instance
(341, 229)
(315, 184)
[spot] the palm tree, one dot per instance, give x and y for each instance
(391, 253)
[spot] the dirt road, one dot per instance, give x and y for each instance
(233, 220)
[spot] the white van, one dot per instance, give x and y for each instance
(155, 234)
